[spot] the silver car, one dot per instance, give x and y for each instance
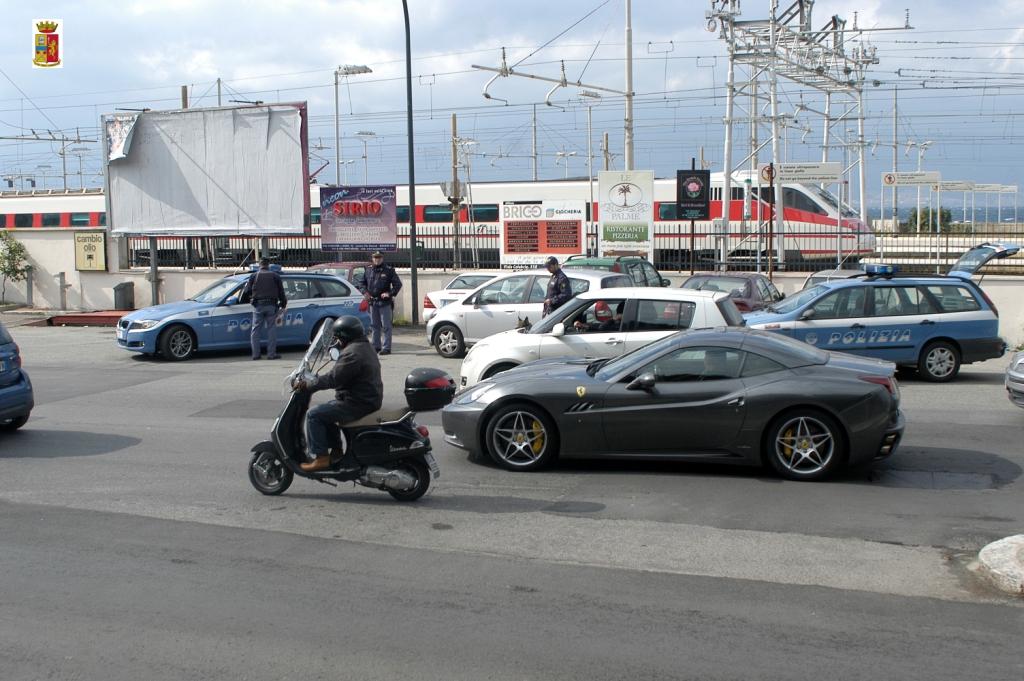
(507, 302)
(1015, 379)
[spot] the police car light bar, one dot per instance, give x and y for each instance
(274, 267)
(879, 270)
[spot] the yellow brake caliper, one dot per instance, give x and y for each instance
(786, 449)
(538, 432)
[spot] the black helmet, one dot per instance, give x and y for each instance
(347, 328)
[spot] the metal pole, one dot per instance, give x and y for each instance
(366, 164)
(218, 92)
(920, 156)
(628, 128)
(337, 134)
(776, 182)
(895, 157)
(534, 142)
(826, 127)
(590, 175)
(607, 154)
(862, 177)
(63, 164)
(730, 86)
(412, 168)
(999, 208)
(154, 272)
(974, 214)
(456, 194)
(938, 222)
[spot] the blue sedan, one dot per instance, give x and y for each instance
(16, 399)
(215, 320)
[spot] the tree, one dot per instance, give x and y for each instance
(12, 261)
(928, 221)
(625, 191)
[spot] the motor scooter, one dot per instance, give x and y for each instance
(392, 452)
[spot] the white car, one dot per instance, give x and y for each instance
(601, 324)
(512, 300)
(454, 290)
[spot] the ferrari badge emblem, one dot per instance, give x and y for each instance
(47, 44)
(580, 391)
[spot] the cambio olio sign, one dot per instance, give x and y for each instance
(626, 213)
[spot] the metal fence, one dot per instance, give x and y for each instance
(803, 248)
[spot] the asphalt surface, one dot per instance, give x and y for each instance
(132, 546)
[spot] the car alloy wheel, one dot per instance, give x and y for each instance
(804, 446)
(177, 343)
(520, 439)
(448, 341)
(939, 362)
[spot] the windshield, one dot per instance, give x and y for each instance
(214, 292)
(727, 284)
(830, 199)
(639, 356)
(798, 300)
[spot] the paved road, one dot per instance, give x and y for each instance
(131, 535)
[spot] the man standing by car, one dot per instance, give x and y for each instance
(380, 285)
(559, 288)
(266, 292)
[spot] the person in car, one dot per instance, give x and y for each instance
(359, 391)
(607, 322)
(559, 288)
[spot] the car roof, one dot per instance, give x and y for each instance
(577, 272)
(894, 281)
(787, 351)
(605, 258)
(242, 276)
(651, 293)
(726, 275)
(347, 263)
(836, 273)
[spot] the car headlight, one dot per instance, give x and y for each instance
(1019, 364)
(144, 324)
(474, 394)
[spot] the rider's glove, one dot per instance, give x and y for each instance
(300, 386)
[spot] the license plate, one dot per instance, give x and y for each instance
(432, 463)
(122, 334)
(3, 366)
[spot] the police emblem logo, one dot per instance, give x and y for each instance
(46, 44)
(581, 391)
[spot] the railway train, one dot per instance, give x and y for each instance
(817, 227)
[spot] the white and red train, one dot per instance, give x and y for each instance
(816, 228)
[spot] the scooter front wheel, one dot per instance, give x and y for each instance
(268, 474)
(419, 470)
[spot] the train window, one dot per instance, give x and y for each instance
(51, 219)
(103, 219)
(437, 214)
(485, 212)
(402, 213)
(314, 215)
(667, 211)
(23, 220)
(794, 198)
(79, 219)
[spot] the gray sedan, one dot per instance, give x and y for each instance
(1015, 379)
(723, 395)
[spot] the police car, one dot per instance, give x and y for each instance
(215, 320)
(933, 323)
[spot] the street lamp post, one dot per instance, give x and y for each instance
(342, 71)
(590, 160)
(412, 166)
(564, 155)
(365, 136)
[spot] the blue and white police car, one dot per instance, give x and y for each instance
(215, 320)
(932, 323)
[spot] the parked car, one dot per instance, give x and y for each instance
(822, 276)
(511, 300)
(1015, 379)
(454, 290)
(639, 270)
(351, 272)
(751, 292)
(932, 323)
(215, 320)
(729, 395)
(600, 324)
(16, 397)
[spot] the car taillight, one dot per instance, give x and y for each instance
(428, 304)
(422, 430)
(988, 300)
(616, 268)
(888, 382)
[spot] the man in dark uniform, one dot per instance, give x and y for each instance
(266, 292)
(559, 287)
(380, 284)
(358, 388)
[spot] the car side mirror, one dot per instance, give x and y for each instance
(807, 314)
(666, 282)
(231, 300)
(644, 381)
(558, 330)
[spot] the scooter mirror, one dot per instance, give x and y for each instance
(335, 354)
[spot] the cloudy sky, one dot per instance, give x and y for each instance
(958, 73)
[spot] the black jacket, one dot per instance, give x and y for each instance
(355, 376)
(378, 279)
(264, 285)
(559, 291)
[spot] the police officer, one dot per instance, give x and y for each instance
(559, 287)
(266, 292)
(380, 285)
(359, 391)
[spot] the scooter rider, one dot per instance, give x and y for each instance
(359, 391)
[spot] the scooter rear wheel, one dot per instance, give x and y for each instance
(268, 474)
(418, 468)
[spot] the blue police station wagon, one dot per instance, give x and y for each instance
(933, 324)
(16, 396)
(215, 320)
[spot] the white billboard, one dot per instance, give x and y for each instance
(626, 213)
(911, 178)
(811, 173)
(220, 171)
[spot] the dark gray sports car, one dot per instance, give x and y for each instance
(725, 395)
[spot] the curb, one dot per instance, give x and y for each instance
(1002, 564)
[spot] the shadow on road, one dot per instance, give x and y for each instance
(39, 443)
(467, 502)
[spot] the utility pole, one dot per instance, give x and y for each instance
(218, 92)
(456, 196)
(895, 159)
(607, 153)
(534, 142)
(628, 128)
